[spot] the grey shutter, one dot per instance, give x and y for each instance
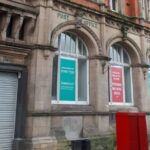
(8, 101)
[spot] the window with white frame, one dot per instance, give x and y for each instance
(143, 11)
(113, 5)
(148, 9)
(148, 61)
(70, 70)
(120, 76)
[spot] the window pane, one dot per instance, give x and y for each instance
(84, 50)
(68, 44)
(114, 4)
(111, 53)
(56, 42)
(149, 60)
(115, 55)
(125, 57)
(117, 50)
(54, 78)
(127, 77)
(73, 44)
(80, 47)
(118, 55)
(82, 80)
(62, 42)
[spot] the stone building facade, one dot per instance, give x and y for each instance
(66, 67)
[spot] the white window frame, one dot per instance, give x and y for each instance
(148, 10)
(72, 56)
(148, 61)
(122, 65)
(116, 5)
(143, 9)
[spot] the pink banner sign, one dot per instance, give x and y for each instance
(117, 84)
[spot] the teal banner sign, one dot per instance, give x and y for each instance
(149, 82)
(67, 80)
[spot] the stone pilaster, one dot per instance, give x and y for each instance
(39, 98)
(100, 90)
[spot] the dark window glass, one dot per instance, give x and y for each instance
(82, 79)
(22, 30)
(54, 78)
(127, 81)
(9, 28)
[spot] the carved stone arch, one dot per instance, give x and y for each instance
(134, 50)
(88, 33)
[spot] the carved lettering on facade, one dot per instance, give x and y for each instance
(86, 22)
(63, 16)
(6, 59)
(90, 24)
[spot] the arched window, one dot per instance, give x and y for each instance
(70, 70)
(120, 80)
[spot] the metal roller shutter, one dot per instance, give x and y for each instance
(8, 101)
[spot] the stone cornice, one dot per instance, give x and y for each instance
(21, 47)
(18, 6)
(110, 15)
(44, 47)
(73, 113)
(24, 47)
(77, 6)
(67, 113)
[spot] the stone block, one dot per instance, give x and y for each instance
(72, 127)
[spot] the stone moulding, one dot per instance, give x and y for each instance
(65, 24)
(25, 47)
(66, 113)
(130, 42)
(19, 6)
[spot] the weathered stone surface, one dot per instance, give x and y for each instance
(72, 127)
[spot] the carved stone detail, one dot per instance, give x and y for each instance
(79, 15)
(124, 30)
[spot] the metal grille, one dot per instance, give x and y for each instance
(8, 100)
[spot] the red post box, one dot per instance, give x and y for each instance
(131, 131)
